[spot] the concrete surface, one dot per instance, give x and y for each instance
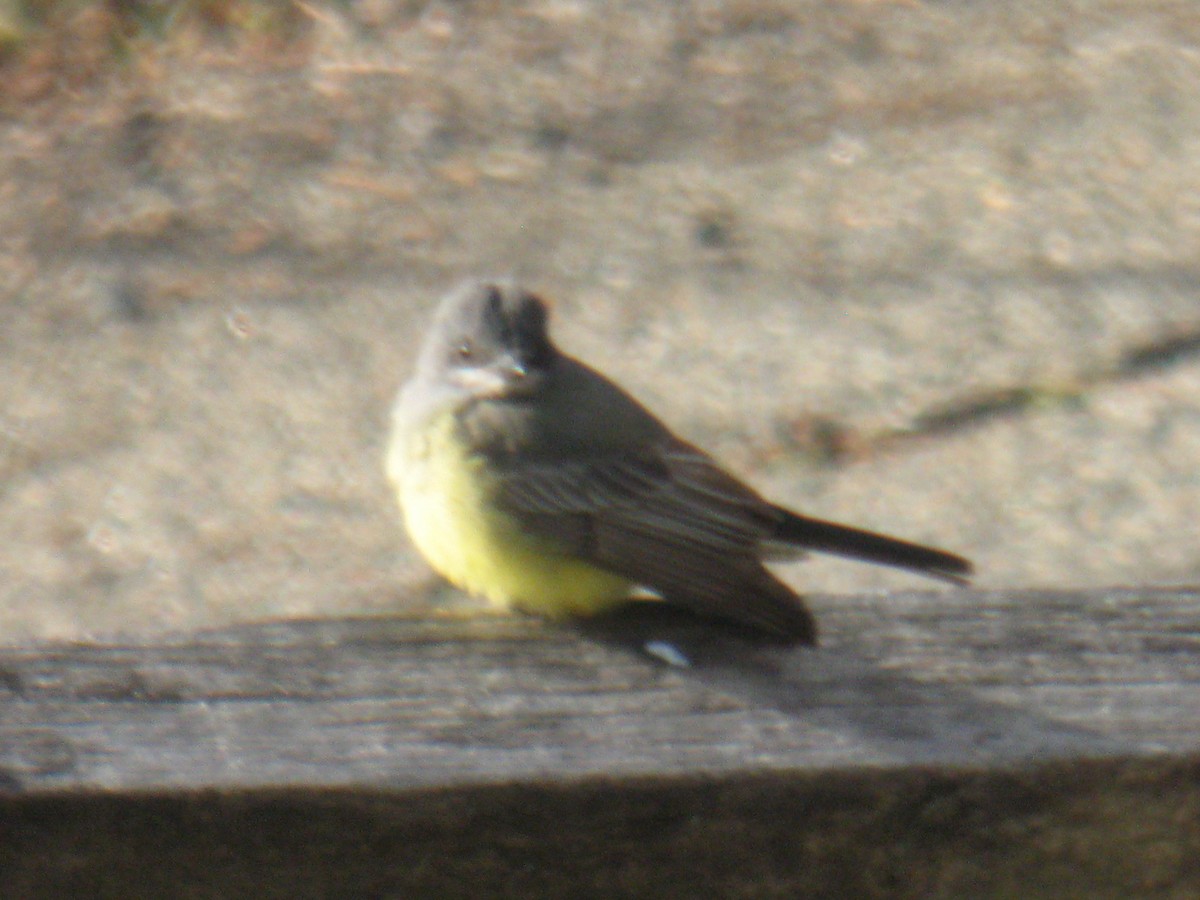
(929, 268)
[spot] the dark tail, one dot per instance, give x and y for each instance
(840, 540)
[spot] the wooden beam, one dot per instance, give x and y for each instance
(930, 736)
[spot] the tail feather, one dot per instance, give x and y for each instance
(867, 546)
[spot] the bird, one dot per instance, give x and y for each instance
(533, 480)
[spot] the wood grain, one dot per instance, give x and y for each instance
(1069, 720)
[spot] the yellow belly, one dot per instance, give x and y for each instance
(451, 518)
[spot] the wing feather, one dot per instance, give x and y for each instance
(670, 520)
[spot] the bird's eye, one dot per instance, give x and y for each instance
(465, 350)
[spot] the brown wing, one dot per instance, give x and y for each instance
(670, 519)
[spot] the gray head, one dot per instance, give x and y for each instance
(488, 340)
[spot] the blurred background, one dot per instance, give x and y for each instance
(931, 268)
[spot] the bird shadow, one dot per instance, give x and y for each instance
(889, 714)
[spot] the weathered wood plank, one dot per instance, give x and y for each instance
(936, 745)
(969, 679)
